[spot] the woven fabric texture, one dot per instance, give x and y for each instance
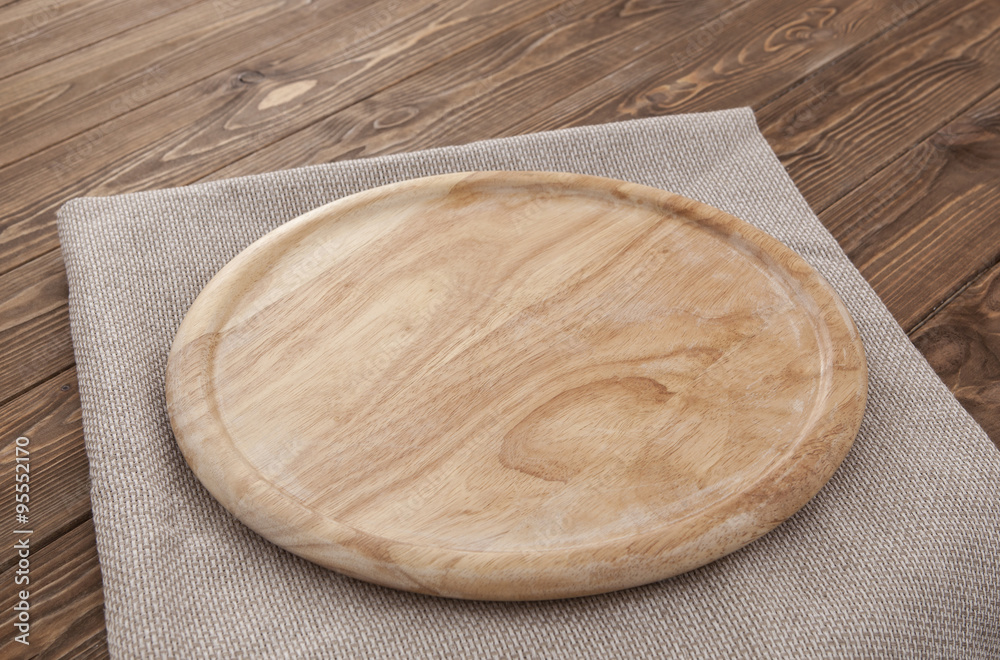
(897, 556)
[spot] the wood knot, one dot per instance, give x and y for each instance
(250, 77)
(396, 117)
(946, 349)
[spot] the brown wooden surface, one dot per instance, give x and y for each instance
(886, 113)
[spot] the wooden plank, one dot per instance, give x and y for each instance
(962, 343)
(36, 31)
(34, 324)
(904, 226)
(835, 131)
(94, 84)
(746, 56)
(750, 55)
(59, 486)
(480, 92)
(66, 615)
(188, 134)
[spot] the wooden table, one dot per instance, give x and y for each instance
(886, 113)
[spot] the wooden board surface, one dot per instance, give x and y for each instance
(923, 74)
(517, 386)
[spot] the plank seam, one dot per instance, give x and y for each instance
(37, 383)
(937, 309)
(60, 532)
(87, 45)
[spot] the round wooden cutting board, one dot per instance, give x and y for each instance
(515, 385)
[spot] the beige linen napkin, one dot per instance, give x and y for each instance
(897, 556)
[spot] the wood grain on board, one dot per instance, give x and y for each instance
(36, 31)
(747, 55)
(874, 107)
(928, 223)
(99, 82)
(883, 112)
(471, 94)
